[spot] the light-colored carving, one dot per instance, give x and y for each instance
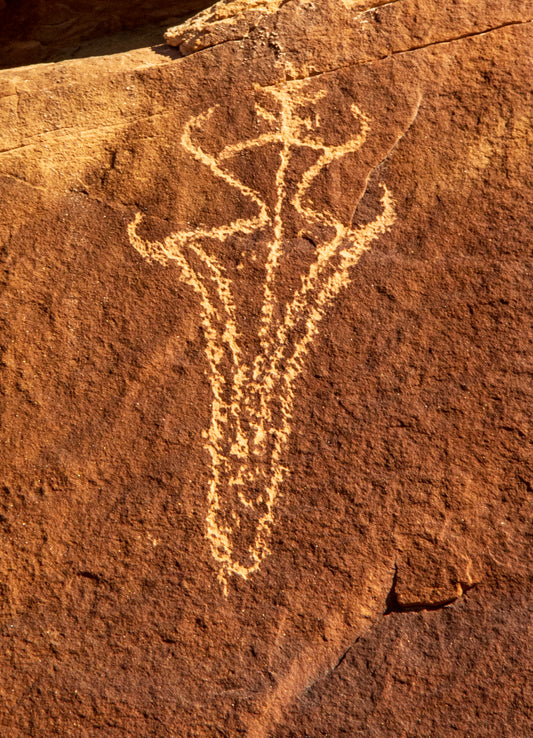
(253, 400)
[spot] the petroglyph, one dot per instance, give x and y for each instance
(253, 397)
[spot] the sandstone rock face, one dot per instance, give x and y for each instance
(34, 31)
(266, 374)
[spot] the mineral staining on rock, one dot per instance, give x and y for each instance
(253, 400)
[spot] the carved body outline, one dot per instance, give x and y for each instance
(253, 385)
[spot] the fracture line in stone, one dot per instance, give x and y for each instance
(221, 13)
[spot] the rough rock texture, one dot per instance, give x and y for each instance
(266, 375)
(34, 31)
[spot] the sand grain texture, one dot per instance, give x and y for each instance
(266, 378)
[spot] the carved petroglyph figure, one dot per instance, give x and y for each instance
(253, 399)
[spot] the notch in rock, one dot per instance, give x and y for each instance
(400, 604)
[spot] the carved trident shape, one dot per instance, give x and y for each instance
(253, 400)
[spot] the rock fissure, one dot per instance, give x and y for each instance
(384, 4)
(369, 61)
(454, 39)
(23, 181)
(66, 130)
(343, 656)
(413, 49)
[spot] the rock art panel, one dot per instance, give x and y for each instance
(252, 406)
(265, 304)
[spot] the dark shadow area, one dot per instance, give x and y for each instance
(37, 31)
(171, 52)
(392, 604)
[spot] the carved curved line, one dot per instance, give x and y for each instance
(218, 532)
(363, 237)
(326, 251)
(242, 225)
(299, 303)
(349, 257)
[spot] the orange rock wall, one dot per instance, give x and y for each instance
(265, 304)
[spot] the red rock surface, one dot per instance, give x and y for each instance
(385, 590)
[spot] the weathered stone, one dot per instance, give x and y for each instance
(265, 335)
(457, 671)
